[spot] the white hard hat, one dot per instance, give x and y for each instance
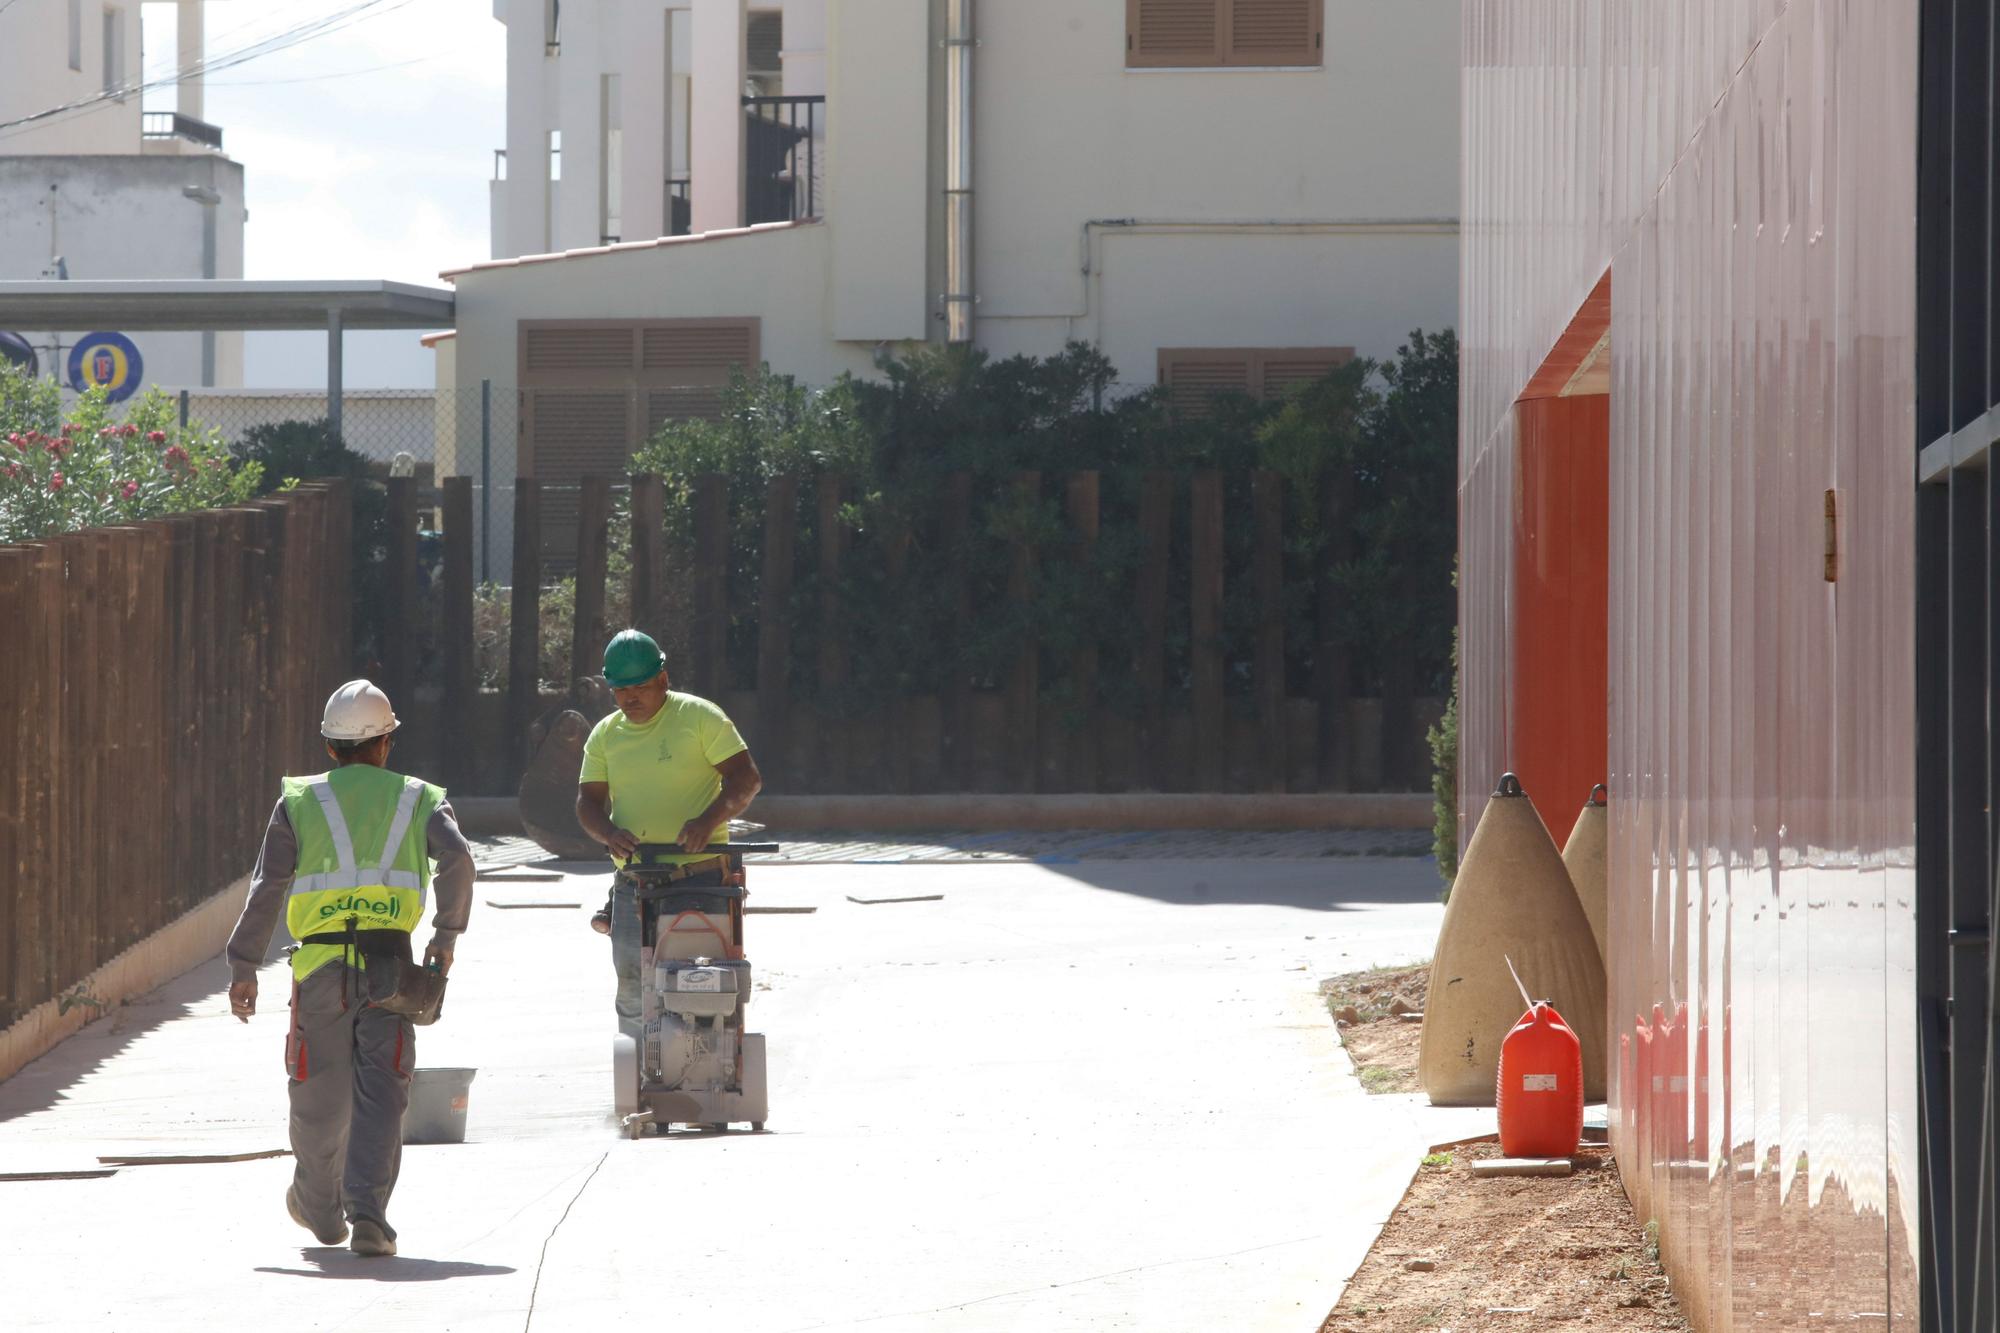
(357, 711)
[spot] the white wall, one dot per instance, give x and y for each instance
(35, 75)
(128, 217)
(1064, 133)
(1261, 208)
(878, 138)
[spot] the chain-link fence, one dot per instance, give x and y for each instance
(426, 434)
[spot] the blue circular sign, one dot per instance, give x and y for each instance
(106, 360)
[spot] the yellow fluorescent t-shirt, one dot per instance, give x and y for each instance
(662, 771)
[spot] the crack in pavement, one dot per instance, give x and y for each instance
(536, 1290)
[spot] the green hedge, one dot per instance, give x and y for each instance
(896, 441)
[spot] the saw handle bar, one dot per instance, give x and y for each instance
(645, 853)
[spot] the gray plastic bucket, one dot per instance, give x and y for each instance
(436, 1113)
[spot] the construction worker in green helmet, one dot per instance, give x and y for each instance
(666, 767)
(349, 858)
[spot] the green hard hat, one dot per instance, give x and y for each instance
(632, 658)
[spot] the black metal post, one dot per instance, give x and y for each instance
(485, 478)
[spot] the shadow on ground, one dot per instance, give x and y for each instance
(43, 1082)
(339, 1264)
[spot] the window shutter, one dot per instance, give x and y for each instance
(689, 401)
(1274, 32)
(574, 435)
(697, 344)
(1173, 32)
(1194, 377)
(571, 349)
(1285, 368)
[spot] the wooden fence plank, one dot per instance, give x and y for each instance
(1205, 630)
(1086, 736)
(593, 553)
(16, 587)
(774, 618)
(37, 947)
(399, 627)
(524, 625)
(899, 759)
(1156, 516)
(709, 638)
(954, 540)
(832, 748)
(1332, 669)
(461, 673)
(649, 572)
(1267, 492)
(1024, 683)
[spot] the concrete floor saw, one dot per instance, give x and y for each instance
(696, 1062)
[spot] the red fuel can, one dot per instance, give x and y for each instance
(1540, 1092)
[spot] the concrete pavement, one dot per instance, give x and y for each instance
(1099, 1095)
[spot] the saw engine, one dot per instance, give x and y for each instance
(694, 1023)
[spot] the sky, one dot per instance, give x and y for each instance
(366, 154)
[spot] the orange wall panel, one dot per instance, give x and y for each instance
(1561, 551)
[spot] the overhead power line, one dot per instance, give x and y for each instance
(296, 35)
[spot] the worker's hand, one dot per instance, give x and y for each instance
(622, 844)
(695, 835)
(243, 999)
(438, 952)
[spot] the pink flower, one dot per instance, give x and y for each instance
(107, 432)
(127, 431)
(70, 428)
(13, 471)
(56, 481)
(177, 455)
(156, 437)
(57, 446)
(129, 489)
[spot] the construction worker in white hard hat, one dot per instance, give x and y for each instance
(349, 859)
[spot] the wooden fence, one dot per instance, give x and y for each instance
(1207, 732)
(162, 677)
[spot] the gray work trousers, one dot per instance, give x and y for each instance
(625, 956)
(350, 1066)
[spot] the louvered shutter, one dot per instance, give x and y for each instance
(1284, 368)
(1173, 32)
(1273, 32)
(1194, 377)
(558, 350)
(575, 435)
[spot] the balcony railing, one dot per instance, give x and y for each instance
(173, 125)
(680, 218)
(782, 160)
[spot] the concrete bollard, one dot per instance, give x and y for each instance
(1583, 857)
(1512, 899)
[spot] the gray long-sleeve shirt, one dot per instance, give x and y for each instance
(278, 859)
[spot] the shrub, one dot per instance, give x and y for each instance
(93, 466)
(897, 440)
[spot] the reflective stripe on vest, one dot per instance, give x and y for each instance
(334, 886)
(384, 875)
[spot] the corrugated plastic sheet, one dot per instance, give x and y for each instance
(1744, 169)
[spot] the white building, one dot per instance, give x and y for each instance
(105, 190)
(1214, 192)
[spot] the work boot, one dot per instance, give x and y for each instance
(370, 1240)
(333, 1237)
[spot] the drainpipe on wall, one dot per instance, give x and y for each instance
(959, 296)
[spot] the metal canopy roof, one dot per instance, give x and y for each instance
(213, 303)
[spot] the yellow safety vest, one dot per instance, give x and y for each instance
(363, 853)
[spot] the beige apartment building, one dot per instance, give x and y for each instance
(1215, 193)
